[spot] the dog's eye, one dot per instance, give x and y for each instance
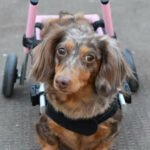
(90, 58)
(61, 51)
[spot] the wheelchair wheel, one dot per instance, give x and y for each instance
(132, 81)
(10, 75)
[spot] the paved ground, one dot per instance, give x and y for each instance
(17, 117)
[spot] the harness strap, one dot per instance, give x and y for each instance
(85, 127)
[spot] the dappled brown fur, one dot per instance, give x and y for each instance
(82, 73)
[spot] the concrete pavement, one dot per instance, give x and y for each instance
(131, 20)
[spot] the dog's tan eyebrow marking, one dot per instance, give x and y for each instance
(84, 50)
(69, 44)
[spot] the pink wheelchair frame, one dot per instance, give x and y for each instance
(33, 17)
(31, 39)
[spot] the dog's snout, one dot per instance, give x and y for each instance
(62, 82)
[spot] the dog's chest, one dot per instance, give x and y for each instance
(80, 142)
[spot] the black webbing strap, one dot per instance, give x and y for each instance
(82, 126)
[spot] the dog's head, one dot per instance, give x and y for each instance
(73, 57)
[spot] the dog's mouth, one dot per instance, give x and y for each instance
(65, 91)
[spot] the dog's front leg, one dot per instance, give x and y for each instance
(50, 147)
(104, 146)
(46, 138)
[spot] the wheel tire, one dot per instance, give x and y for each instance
(10, 75)
(132, 81)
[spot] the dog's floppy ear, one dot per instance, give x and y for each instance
(113, 68)
(43, 55)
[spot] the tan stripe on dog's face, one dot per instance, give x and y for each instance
(84, 51)
(69, 45)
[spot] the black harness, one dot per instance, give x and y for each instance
(85, 127)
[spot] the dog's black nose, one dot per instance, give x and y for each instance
(62, 82)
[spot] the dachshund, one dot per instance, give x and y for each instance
(82, 73)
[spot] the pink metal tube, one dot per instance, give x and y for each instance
(106, 10)
(32, 11)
